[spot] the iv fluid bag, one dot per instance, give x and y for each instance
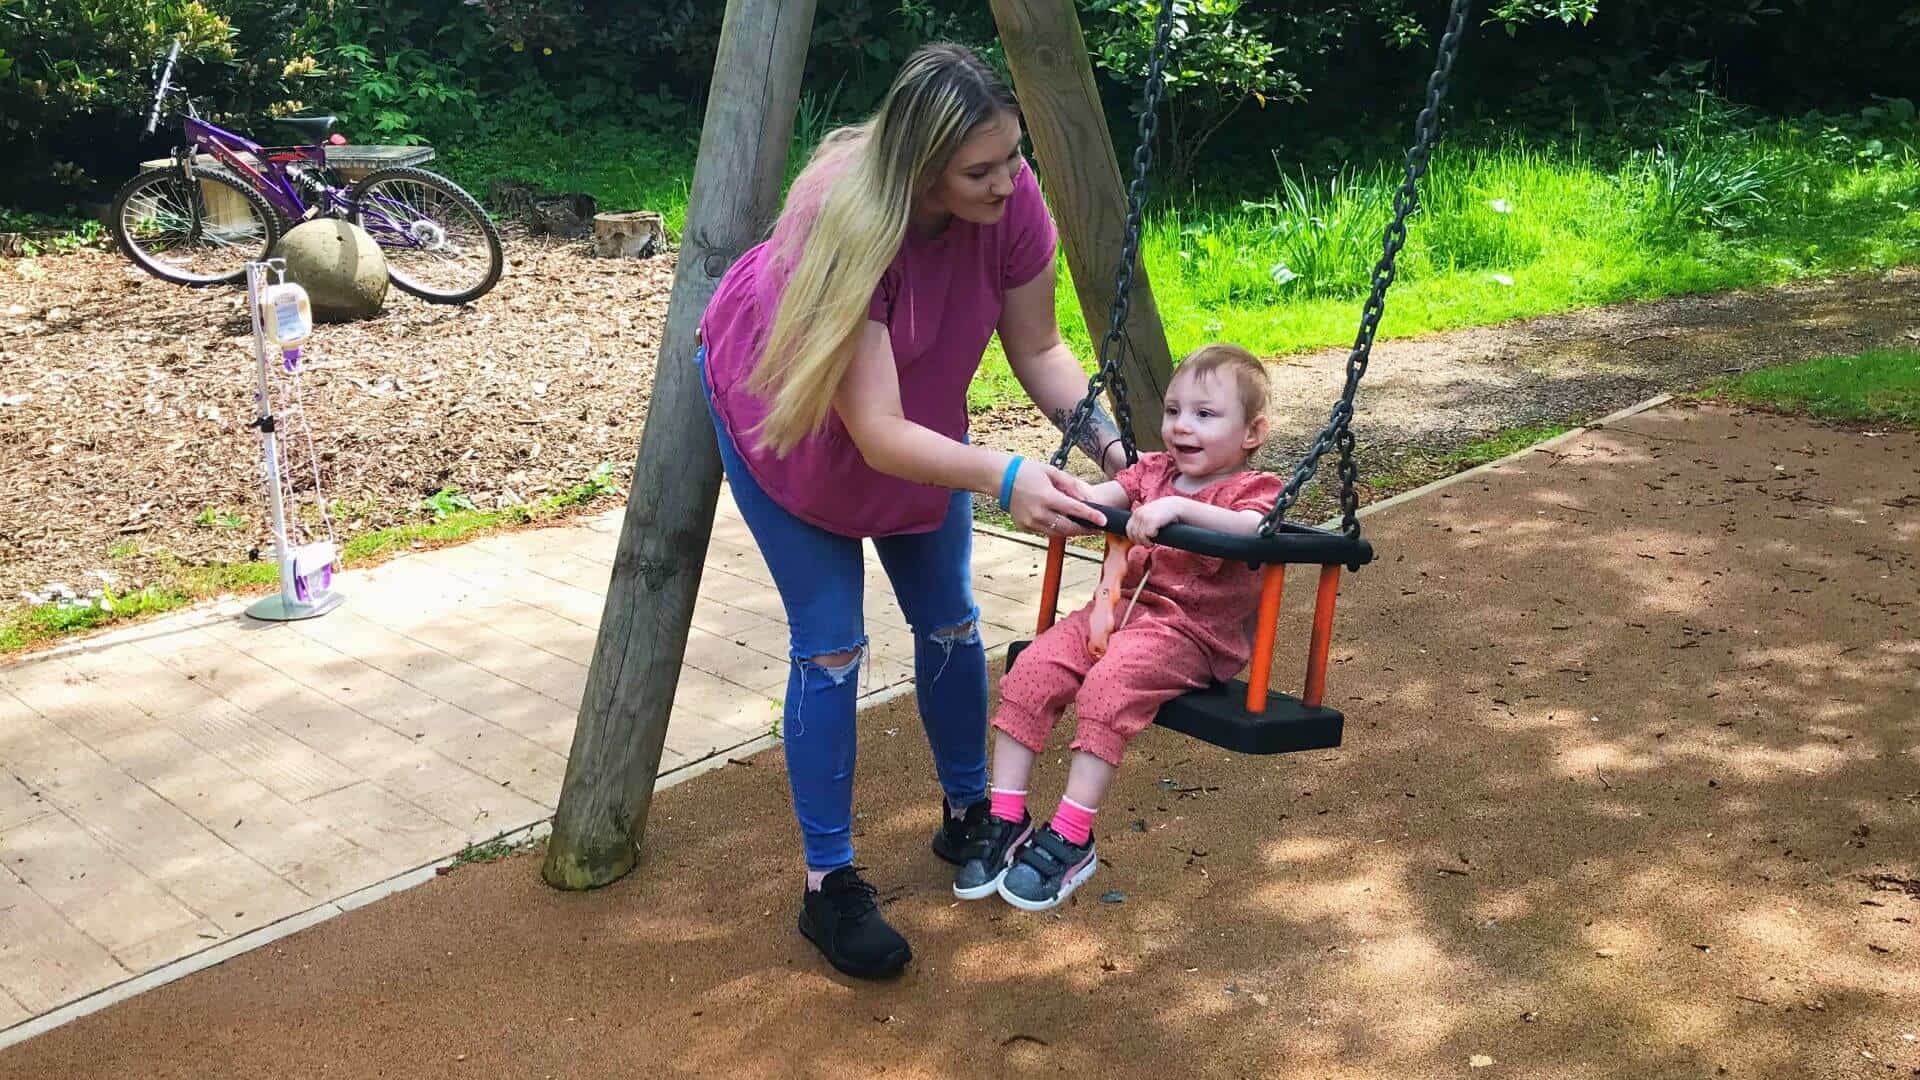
(286, 315)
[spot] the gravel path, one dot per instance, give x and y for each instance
(1438, 392)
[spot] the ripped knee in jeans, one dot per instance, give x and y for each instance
(964, 632)
(837, 666)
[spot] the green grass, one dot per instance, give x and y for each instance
(623, 169)
(1501, 444)
(214, 518)
(494, 851)
(183, 584)
(42, 622)
(1508, 230)
(1882, 386)
(1511, 232)
(1410, 469)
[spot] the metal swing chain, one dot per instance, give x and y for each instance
(1108, 376)
(1339, 431)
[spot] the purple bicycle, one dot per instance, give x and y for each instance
(198, 224)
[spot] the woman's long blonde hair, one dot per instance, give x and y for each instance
(844, 222)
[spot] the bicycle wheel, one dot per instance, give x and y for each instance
(440, 245)
(196, 232)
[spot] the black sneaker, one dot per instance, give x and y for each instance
(1045, 871)
(844, 922)
(989, 853)
(950, 843)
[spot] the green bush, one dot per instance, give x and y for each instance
(76, 78)
(1721, 184)
(1331, 80)
(1226, 53)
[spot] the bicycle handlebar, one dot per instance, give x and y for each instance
(160, 92)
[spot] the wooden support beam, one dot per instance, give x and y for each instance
(1054, 79)
(615, 757)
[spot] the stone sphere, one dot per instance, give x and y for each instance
(339, 265)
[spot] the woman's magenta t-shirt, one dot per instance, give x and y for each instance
(940, 301)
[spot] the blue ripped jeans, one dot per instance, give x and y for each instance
(821, 578)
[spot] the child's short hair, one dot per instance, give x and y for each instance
(1248, 373)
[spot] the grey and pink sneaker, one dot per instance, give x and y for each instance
(1046, 869)
(988, 853)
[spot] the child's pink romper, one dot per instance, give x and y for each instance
(1192, 625)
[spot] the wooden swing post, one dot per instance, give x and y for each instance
(1053, 75)
(744, 142)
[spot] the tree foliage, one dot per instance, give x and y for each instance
(1247, 74)
(77, 72)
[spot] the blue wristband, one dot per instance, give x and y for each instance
(1006, 482)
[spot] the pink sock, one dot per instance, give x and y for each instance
(1074, 822)
(1009, 805)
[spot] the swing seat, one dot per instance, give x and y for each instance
(1245, 716)
(1218, 716)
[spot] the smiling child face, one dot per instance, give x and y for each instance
(1205, 427)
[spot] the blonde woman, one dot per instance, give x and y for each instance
(836, 360)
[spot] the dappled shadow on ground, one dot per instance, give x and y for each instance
(1631, 789)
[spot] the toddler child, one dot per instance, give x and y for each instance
(1163, 622)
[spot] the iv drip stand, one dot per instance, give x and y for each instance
(287, 605)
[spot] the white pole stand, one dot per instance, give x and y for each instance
(306, 572)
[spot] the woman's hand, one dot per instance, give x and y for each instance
(1150, 517)
(1047, 500)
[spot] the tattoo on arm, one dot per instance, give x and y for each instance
(1101, 433)
(1095, 436)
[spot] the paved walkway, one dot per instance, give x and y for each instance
(172, 787)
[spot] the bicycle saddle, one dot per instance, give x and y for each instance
(312, 128)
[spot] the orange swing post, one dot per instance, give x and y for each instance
(1272, 581)
(1050, 583)
(1316, 687)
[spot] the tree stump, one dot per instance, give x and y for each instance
(635, 235)
(510, 199)
(568, 214)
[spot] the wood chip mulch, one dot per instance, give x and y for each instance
(125, 403)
